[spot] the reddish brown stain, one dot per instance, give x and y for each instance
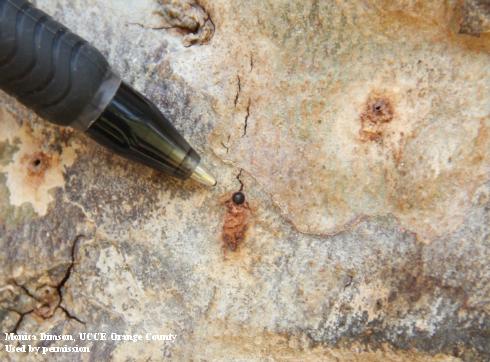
(235, 224)
(378, 111)
(37, 164)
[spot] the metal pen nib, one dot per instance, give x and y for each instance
(201, 175)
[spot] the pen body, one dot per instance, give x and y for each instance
(51, 70)
(68, 82)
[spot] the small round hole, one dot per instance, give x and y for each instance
(378, 107)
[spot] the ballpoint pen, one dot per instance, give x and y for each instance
(68, 82)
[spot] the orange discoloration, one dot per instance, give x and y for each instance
(377, 112)
(235, 224)
(37, 164)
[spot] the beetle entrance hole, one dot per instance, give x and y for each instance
(37, 164)
(378, 111)
(378, 106)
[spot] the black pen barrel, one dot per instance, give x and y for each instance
(68, 82)
(134, 128)
(49, 69)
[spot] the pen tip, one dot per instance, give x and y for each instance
(203, 176)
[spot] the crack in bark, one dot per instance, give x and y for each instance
(58, 288)
(21, 318)
(238, 90)
(70, 316)
(67, 275)
(251, 62)
(348, 283)
(227, 148)
(25, 290)
(178, 27)
(239, 180)
(245, 126)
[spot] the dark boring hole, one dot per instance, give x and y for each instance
(36, 162)
(378, 106)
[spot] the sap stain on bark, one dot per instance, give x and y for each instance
(377, 112)
(236, 221)
(37, 164)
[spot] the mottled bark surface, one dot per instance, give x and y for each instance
(359, 131)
